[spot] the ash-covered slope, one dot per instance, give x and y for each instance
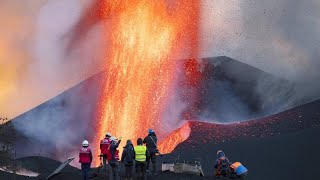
(281, 146)
(277, 147)
(231, 91)
(59, 125)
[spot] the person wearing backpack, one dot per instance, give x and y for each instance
(221, 165)
(151, 143)
(239, 170)
(127, 159)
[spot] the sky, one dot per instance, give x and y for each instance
(277, 36)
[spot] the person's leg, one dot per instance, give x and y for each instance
(115, 171)
(154, 163)
(83, 172)
(104, 156)
(138, 170)
(126, 171)
(216, 173)
(130, 174)
(148, 162)
(85, 169)
(143, 170)
(112, 173)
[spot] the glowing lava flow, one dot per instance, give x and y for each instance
(171, 141)
(145, 37)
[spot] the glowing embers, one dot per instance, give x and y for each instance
(145, 38)
(176, 137)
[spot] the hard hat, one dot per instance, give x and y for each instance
(85, 143)
(220, 151)
(113, 138)
(108, 134)
(150, 131)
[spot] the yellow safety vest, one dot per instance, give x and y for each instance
(140, 152)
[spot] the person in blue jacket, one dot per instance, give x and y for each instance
(239, 169)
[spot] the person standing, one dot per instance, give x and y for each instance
(141, 154)
(113, 156)
(85, 158)
(104, 148)
(127, 159)
(151, 143)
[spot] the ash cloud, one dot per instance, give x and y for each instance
(34, 64)
(279, 37)
(49, 70)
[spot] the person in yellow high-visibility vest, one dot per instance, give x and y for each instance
(140, 155)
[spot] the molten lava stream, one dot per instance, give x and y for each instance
(176, 137)
(145, 38)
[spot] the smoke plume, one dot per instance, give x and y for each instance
(279, 37)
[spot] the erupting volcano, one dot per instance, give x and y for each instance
(145, 39)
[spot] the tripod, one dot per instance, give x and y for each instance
(101, 164)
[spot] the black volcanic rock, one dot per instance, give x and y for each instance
(231, 91)
(227, 91)
(275, 147)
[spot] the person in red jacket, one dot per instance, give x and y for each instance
(104, 148)
(85, 158)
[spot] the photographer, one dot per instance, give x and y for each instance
(151, 143)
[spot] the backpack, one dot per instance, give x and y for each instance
(129, 156)
(223, 166)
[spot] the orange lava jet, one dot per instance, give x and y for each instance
(145, 37)
(171, 141)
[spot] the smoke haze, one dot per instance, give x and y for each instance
(278, 36)
(34, 66)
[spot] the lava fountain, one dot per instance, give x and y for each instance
(145, 37)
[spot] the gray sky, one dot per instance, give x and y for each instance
(277, 36)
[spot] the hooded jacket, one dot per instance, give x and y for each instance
(128, 148)
(151, 146)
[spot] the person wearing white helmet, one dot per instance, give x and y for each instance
(113, 156)
(85, 158)
(104, 148)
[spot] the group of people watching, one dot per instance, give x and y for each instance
(139, 156)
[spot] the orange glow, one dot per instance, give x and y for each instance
(176, 137)
(145, 38)
(15, 32)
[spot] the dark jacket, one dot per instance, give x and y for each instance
(220, 156)
(113, 149)
(128, 148)
(151, 146)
